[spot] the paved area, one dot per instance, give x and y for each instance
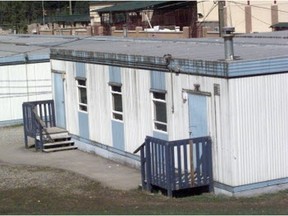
(109, 173)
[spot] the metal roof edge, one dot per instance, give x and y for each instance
(258, 66)
(196, 67)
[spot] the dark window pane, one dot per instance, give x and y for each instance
(161, 127)
(160, 112)
(117, 116)
(82, 82)
(82, 95)
(117, 100)
(83, 108)
(116, 88)
(160, 96)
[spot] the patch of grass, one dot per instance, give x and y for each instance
(85, 196)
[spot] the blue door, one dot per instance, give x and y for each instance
(59, 100)
(198, 124)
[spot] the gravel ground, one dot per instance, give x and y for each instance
(20, 176)
(13, 153)
(15, 176)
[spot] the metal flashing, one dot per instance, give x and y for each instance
(248, 187)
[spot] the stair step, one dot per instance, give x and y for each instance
(60, 136)
(59, 149)
(56, 130)
(58, 143)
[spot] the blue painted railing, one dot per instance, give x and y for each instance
(37, 116)
(176, 165)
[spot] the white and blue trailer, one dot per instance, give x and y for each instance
(111, 93)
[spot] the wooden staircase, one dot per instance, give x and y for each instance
(40, 123)
(57, 139)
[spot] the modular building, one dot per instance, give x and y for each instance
(110, 93)
(25, 72)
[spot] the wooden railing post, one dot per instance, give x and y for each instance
(143, 167)
(148, 164)
(168, 169)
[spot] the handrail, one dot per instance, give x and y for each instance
(43, 126)
(139, 148)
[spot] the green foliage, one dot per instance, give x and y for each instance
(17, 15)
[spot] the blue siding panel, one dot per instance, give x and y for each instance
(118, 135)
(159, 135)
(158, 80)
(59, 101)
(198, 126)
(80, 70)
(114, 74)
(83, 125)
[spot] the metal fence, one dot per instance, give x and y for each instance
(176, 165)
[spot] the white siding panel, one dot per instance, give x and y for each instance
(99, 103)
(71, 100)
(21, 83)
(5, 108)
(259, 123)
(137, 107)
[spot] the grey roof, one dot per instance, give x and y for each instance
(202, 48)
(20, 48)
(247, 46)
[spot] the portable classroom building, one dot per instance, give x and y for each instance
(118, 91)
(25, 72)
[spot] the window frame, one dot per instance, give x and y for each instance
(82, 107)
(114, 112)
(156, 122)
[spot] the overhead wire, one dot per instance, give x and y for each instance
(211, 9)
(236, 3)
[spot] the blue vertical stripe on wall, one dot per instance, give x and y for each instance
(59, 100)
(114, 74)
(80, 70)
(158, 83)
(118, 135)
(83, 125)
(117, 127)
(158, 80)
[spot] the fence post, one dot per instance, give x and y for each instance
(210, 165)
(24, 110)
(143, 165)
(168, 169)
(148, 164)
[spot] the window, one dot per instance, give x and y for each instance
(117, 108)
(82, 95)
(160, 111)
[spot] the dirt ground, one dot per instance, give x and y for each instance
(43, 190)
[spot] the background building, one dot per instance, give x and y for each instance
(245, 16)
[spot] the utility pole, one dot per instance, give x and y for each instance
(221, 5)
(70, 7)
(43, 12)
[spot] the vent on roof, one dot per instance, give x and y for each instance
(228, 34)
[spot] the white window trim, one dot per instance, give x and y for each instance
(112, 103)
(154, 112)
(78, 97)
